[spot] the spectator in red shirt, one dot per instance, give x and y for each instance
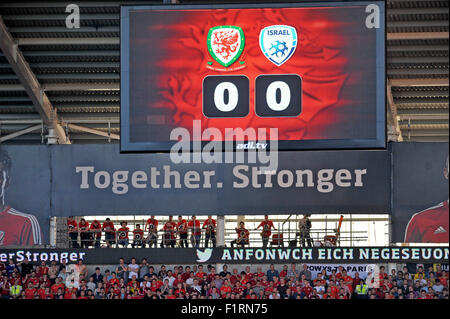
(444, 278)
(170, 294)
(180, 289)
(267, 226)
(226, 288)
(138, 237)
(67, 293)
(136, 295)
(57, 285)
(122, 233)
(249, 276)
(114, 280)
(169, 237)
(348, 281)
(259, 273)
(152, 227)
(48, 294)
(328, 294)
(187, 274)
(196, 231)
(179, 279)
(284, 272)
(30, 291)
(339, 272)
(45, 280)
(32, 279)
(96, 232)
(110, 232)
(200, 273)
(213, 274)
(382, 273)
(85, 238)
(4, 287)
(82, 295)
(72, 228)
(307, 290)
(342, 296)
(41, 291)
(243, 236)
(334, 289)
(42, 269)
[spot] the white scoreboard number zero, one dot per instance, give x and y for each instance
(219, 96)
(271, 96)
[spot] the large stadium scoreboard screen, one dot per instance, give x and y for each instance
(314, 73)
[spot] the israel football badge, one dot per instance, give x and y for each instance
(278, 43)
(225, 44)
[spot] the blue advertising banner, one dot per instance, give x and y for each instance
(99, 180)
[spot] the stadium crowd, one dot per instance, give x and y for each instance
(140, 280)
(174, 233)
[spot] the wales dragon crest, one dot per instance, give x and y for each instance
(225, 44)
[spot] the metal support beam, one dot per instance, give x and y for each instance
(441, 138)
(426, 129)
(61, 17)
(68, 41)
(30, 82)
(422, 111)
(92, 131)
(79, 76)
(19, 122)
(392, 117)
(416, 48)
(66, 87)
(417, 35)
(420, 82)
(11, 87)
(21, 132)
(428, 71)
(81, 64)
(81, 87)
(61, 4)
(64, 29)
(101, 120)
(89, 53)
(404, 60)
(423, 93)
(415, 24)
(420, 11)
(423, 118)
